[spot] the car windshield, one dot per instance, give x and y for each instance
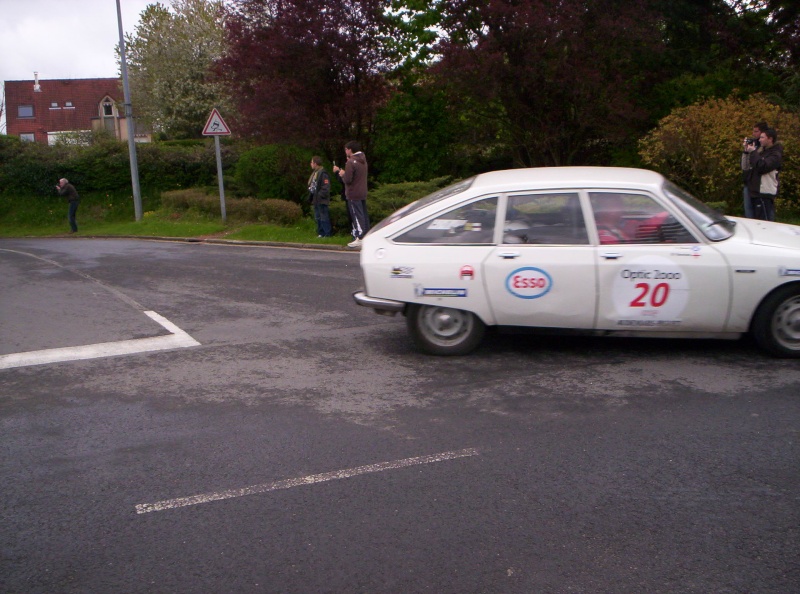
(451, 190)
(711, 222)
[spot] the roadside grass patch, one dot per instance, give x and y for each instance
(305, 231)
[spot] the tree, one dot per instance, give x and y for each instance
(414, 134)
(412, 31)
(559, 81)
(170, 58)
(306, 72)
(699, 147)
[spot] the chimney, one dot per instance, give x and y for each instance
(36, 87)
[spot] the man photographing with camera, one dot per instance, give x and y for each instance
(66, 189)
(746, 144)
(763, 179)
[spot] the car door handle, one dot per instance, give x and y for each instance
(509, 255)
(611, 256)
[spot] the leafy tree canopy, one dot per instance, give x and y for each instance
(169, 59)
(306, 72)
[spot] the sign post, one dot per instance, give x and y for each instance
(216, 127)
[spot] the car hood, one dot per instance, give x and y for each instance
(770, 234)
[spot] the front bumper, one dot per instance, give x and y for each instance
(386, 307)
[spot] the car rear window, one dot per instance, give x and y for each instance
(438, 195)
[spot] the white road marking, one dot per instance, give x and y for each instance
(178, 339)
(144, 508)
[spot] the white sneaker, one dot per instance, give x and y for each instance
(356, 243)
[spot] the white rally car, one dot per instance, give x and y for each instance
(597, 249)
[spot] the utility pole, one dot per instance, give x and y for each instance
(137, 194)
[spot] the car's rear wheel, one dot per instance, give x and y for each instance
(776, 325)
(444, 330)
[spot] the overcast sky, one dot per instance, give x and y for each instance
(63, 38)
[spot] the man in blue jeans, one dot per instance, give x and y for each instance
(750, 142)
(319, 192)
(67, 190)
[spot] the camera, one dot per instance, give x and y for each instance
(749, 140)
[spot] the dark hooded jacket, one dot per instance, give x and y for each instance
(355, 177)
(319, 187)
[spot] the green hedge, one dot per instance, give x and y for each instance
(278, 212)
(103, 166)
(383, 200)
(274, 171)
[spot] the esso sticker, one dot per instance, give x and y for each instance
(650, 287)
(529, 283)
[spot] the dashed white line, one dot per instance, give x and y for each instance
(176, 340)
(144, 508)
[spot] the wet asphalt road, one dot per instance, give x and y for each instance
(325, 455)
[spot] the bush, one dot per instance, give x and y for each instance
(383, 200)
(104, 166)
(699, 147)
(277, 212)
(30, 167)
(274, 171)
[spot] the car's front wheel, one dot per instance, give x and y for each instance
(776, 325)
(444, 330)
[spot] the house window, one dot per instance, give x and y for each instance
(68, 104)
(54, 104)
(25, 111)
(26, 137)
(108, 108)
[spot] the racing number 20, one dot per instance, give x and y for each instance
(657, 297)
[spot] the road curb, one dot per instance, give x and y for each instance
(209, 240)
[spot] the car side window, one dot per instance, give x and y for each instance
(635, 218)
(544, 219)
(471, 223)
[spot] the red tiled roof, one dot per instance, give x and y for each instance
(86, 94)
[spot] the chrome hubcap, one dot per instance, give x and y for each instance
(443, 324)
(786, 323)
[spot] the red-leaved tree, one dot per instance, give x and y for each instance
(305, 72)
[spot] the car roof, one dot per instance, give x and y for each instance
(566, 177)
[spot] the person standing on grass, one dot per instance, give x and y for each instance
(319, 192)
(354, 177)
(748, 142)
(764, 180)
(67, 190)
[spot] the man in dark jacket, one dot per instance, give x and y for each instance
(354, 177)
(67, 190)
(753, 140)
(319, 192)
(764, 171)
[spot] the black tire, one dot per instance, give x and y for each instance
(443, 330)
(776, 325)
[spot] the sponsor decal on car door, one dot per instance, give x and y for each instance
(544, 272)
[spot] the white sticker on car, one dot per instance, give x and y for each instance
(650, 291)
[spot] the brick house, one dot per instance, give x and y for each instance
(44, 110)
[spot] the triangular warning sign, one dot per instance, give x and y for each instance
(216, 126)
